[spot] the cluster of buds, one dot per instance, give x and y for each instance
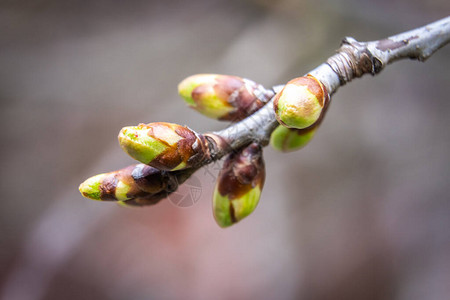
(164, 149)
(170, 153)
(300, 105)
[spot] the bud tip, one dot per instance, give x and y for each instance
(135, 141)
(90, 188)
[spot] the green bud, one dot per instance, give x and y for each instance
(239, 185)
(165, 146)
(128, 183)
(223, 97)
(288, 139)
(301, 102)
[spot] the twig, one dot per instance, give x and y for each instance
(352, 60)
(193, 150)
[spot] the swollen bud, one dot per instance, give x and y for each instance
(223, 97)
(128, 183)
(239, 185)
(165, 146)
(301, 102)
(288, 139)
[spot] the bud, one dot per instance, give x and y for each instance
(165, 146)
(223, 97)
(301, 102)
(239, 185)
(128, 183)
(289, 139)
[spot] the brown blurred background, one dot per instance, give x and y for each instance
(363, 212)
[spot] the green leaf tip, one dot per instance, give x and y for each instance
(288, 139)
(90, 188)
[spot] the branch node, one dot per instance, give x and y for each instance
(216, 145)
(353, 60)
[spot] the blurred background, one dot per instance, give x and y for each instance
(363, 212)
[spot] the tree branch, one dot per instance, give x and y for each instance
(172, 151)
(352, 60)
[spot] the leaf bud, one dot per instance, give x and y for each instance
(162, 145)
(289, 139)
(131, 182)
(301, 102)
(239, 185)
(223, 97)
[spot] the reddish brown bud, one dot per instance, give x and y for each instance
(131, 182)
(223, 97)
(162, 145)
(239, 185)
